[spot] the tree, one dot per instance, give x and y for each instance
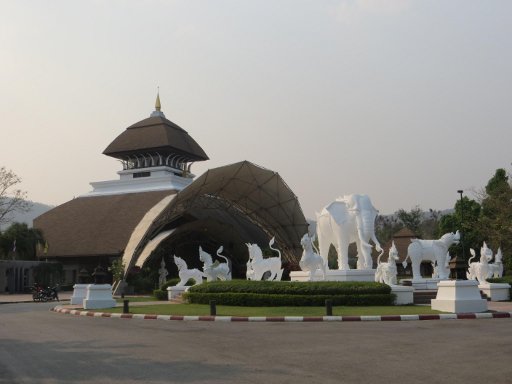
(495, 222)
(25, 239)
(411, 219)
(465, 219)
(386, 227)
(11, 199)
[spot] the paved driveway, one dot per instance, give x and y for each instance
(38, 346)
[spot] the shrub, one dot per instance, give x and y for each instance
(279, 293)
(160, 294)
(268, 300)
(174, 281)
(293, 288)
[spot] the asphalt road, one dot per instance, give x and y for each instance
(39, 346)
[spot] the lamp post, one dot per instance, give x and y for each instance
(460, 191)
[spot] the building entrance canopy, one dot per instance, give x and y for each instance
(245, 197)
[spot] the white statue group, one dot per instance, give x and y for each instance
(212, 271)
(484, 270)
(346, 220)
(258, 268)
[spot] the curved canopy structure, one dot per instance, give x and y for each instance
(241, 202)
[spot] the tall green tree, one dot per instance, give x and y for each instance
(496, 217)
(411, 219)
(25, 240)
(465, 218)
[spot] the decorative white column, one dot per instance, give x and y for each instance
(99, 296)
(79, 294)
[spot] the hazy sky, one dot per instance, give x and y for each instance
(406, 101)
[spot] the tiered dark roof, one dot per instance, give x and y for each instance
(155, 134)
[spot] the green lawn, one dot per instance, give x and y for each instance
(222, 310)
(136, 299)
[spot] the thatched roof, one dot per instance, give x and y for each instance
(155, 134)
(95, 226)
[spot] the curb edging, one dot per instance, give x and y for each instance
(443, 316)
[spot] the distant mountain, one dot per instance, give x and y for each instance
(27, 217)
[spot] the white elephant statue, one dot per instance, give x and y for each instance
(346, 220)
(434, 251)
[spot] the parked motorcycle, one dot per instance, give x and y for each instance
(44, 294)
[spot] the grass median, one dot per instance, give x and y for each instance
(224, 310)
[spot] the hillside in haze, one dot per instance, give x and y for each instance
(27, 217)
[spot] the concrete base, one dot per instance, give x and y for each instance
(336, 275)
(422, 284)
(404, 295)
(175, 292)
(79, 293)
(496, 291)
(99, 296)
(459, 296)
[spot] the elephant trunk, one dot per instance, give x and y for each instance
(366, 228)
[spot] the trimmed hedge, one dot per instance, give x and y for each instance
(283, 293)
(293, 288)
(504, 279)
(267, 300)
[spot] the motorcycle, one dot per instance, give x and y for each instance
(44, 294)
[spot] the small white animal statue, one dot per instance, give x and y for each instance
(215, 270)
(311, 261)
(479, 270)
(185, 274)
(386, 272)
(446, 267)
(430, 250)
(162, 273)
(257, 265)
(496, 268)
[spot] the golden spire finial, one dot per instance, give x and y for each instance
(157, 103)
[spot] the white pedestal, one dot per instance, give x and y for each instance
(404, 295)
(459, 296)
(496, 291)
(99, 296)
(336, 275)
(175, 292)
(79, 293)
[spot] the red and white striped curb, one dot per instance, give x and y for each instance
(443, 316)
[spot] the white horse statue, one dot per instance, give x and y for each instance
(185, 274)
(386, 272)
(215, 270)
(496, 268)
(311, 261)
(480, 270)
(257, 265)
(430, 250)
